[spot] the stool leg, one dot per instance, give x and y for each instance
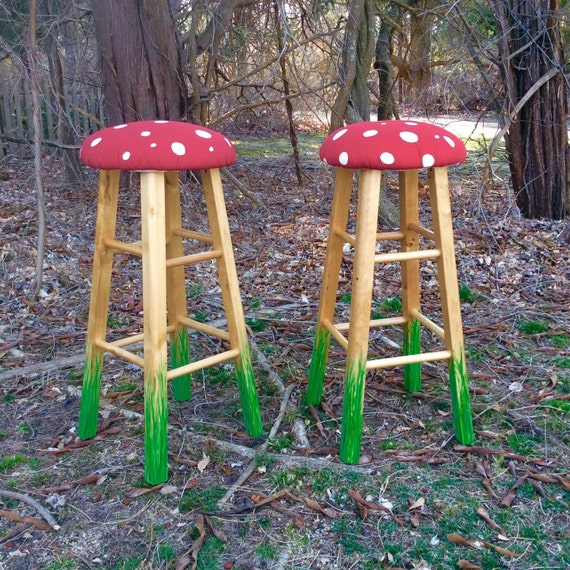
(333, 260)
(451, 308)
(219, 228)
(362, 284)
(410, 277)
(176, 291)
(99, 303)
(154, 305)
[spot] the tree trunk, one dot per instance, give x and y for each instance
(532, 62)
(383, 62)
(65, 135)
(141, 70)
(37, 137)
(357, 51)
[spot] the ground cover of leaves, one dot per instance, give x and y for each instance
(418, 500)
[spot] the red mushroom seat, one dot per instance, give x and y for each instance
(159, 150)
(370, 148)
(160, 146)
(392, 145)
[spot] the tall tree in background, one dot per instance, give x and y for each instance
(532, 67)
(141, 66)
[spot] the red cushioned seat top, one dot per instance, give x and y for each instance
(392, 145)
(157, 146)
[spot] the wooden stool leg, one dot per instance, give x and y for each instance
(410, 277)
(154, 304)
(176, 291)
(333, 260)
(451, 308)
(99, 304)
(360, 306)
(219, 228)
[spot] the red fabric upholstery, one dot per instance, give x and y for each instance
(157, 146)
(392, 145)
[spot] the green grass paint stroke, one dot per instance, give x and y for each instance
(412, 345)
(317, 368)
(90, 393)
(353, 403)
(248, 393)
(156, 427)
(460, 403)
(180, 356)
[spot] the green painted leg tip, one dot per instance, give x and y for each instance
(182, 388)
(155, 478)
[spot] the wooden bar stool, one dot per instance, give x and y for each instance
(370, 148)
(159, 150)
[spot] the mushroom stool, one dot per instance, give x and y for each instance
(159, 150)
(370, 148)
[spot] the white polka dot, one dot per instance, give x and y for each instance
(370, 133)
(145, 134)
(211, 149)
(409, 137)
(203, 134)
(387, 158)
(343, 158)
(428, 160)
(437, 137)
(178, 148)
(126, 155)
(339, 134)
(153, 145)
(119, 126)
(449, 141)
(161, 122)
(96, 141)
(410, 123)
(228, 142)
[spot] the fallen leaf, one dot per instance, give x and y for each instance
(203, 463)
(417, 504)
(466, 565)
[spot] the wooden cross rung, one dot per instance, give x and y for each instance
(193, 258)
(375, 323)
(205, 328)
(121, 352)
(421, 230)
(406, 255)
(190, 234)
(428, 323)
(134, 248)
(387, 236)
(347, 238)
(335, 333)
(203, 363)
(409, 359)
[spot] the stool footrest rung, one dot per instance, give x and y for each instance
(409, 359)
(428, 323)
(336, 334)
(115, 348)
(205, 328)
(190, 234)
(193, 258)
(134, 248)
(406, 255)
(421, 230)
(203, 363)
